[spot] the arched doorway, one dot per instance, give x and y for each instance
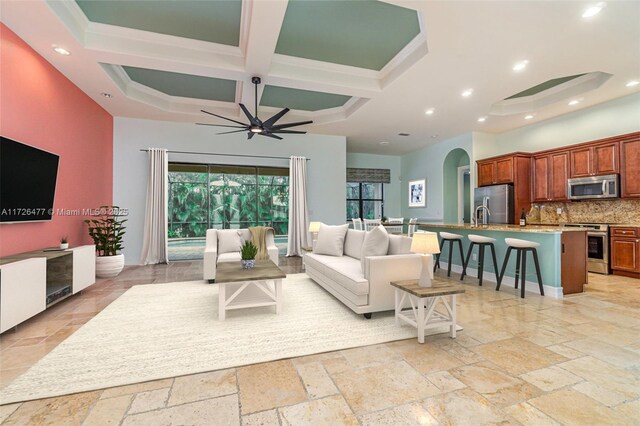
(457, 187)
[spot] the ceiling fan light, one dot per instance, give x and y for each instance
(256, 130)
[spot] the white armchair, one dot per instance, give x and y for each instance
(212, 257)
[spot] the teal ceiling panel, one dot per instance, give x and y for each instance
(361, 33)
(214, 21)
(184, 85)
(304, 100)
(544, 86)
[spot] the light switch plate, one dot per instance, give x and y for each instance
(559, 210)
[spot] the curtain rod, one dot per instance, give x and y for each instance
(224, 155)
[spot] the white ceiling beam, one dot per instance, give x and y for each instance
(261, 23)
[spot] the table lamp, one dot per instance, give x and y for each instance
(425, 243)
(314, 228)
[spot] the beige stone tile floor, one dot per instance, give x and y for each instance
(534, 361)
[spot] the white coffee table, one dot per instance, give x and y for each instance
(248, 288)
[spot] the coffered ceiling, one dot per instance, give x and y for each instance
(365, 69)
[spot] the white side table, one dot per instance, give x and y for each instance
(423, 301)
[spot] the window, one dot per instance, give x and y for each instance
(365, 200)
(205, 196)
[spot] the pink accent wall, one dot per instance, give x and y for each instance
(40, 107)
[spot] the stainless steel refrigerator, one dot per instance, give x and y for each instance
(498, 199)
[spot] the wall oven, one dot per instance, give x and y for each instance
(593, 187)
(597, 246)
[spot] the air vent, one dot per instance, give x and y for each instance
(404, 134)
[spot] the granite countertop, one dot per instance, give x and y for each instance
(543, 229)
(625, 225)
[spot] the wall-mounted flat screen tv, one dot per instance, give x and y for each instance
(27, 182)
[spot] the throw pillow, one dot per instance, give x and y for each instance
(331, 240)
(376, 243)
(229, 241)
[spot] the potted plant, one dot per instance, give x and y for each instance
(64, 243)
(248, 253)
(106, 230)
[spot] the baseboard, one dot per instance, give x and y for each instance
(530, 286)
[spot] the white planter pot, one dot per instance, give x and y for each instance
(64, 246)
(109, 266)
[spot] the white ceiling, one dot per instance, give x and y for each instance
(465, 44)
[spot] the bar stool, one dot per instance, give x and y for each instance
(482, 242)
(522, 247)
(451, 238)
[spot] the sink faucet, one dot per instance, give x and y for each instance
(475, 214)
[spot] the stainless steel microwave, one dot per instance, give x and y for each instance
(593, 187)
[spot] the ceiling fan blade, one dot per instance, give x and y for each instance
(221, 125)
(269, 135)
(233, 131)
(224, 118)
(251, 118)
(270, 122)
(284, 126)
(296, 132)
(250, 135)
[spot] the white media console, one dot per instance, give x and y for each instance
(32, 282)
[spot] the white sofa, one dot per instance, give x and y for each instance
(212, 256)
(365, 291)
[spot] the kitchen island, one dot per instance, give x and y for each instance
(562, 254)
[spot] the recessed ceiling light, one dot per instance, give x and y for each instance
(434, 136)
(106, 95)
(593, 10)
(482, 119)
(528, 117)
(574, 102)
(519, 66)
(61, 50)
(467, 93)
(384, 143)
(632, 83)
(430, 111)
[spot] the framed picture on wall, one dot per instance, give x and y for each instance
(417, 193)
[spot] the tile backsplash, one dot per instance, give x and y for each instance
(592, 211)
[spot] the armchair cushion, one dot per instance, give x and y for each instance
(229, 241)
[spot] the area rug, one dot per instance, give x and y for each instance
(165, 330)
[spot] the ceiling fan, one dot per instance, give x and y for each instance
(256, 126)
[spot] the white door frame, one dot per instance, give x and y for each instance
(461, 172)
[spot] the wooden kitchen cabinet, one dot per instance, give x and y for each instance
(550, 174)
(504, 170)
(500, 170)
(486, 173)
(630, 167)
(625, 251)
(595, 160)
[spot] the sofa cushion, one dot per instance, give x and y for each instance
(331, 240)
(376, 243)
(353, 243)
(229, 241)
(229, 257)
(399, 244)
(344, 271)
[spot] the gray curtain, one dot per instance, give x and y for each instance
(298, 215)
(155, 244)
